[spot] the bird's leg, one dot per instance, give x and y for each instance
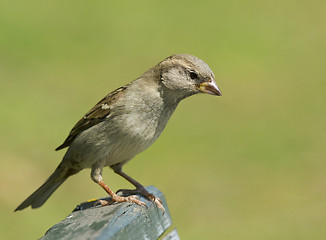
(96, 176)
(139, 188)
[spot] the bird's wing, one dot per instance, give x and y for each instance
(94, 116)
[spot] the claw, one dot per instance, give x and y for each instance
(101, 202)
(159, 204)
(134, 199)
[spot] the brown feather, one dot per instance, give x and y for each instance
(94, 116)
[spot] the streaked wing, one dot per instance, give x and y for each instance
(96, 115)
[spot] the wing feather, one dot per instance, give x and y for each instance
(94, 116)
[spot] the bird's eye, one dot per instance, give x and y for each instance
(193, 75)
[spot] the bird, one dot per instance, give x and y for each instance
(126, 122)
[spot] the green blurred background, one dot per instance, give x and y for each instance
(247, 165)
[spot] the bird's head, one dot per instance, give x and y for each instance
(184, 75)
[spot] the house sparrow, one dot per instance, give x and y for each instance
(125, 123)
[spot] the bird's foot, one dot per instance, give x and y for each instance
(117, 198)
(146, 194)
(120, 199)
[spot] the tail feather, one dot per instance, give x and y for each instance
(39, 197)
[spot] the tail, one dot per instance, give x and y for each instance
(39, 197)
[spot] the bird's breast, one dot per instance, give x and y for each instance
(139, 125)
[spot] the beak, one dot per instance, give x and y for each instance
(210, 88)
